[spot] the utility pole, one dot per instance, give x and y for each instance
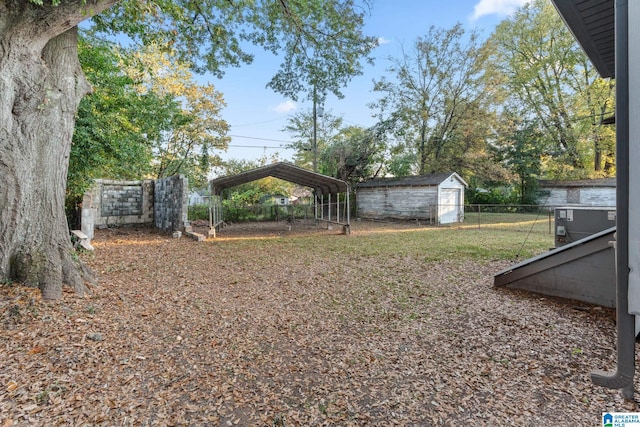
(315, 132)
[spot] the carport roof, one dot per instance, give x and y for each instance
(592, 23)
(322, 184)
(411, 181)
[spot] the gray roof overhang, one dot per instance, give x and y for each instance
(592, 23)
(322, 184)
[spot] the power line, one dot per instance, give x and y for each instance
(261, 139)
(256, 146)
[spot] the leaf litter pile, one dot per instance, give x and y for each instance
(391, 325)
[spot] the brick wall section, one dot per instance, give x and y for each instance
(171, 203)
(111, 202)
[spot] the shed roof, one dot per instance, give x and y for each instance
(411, 181)
(598, 182)
(322, 184)
(592, 23)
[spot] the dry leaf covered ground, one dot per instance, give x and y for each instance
(391, 325)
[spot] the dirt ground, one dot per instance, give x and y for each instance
(266, 326)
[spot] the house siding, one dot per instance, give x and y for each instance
(575, 196)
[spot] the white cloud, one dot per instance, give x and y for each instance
(382, 40)
(496, 7)
(284, 107)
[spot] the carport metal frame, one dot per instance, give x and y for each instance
(322, 186)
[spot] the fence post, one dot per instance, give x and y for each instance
(478, 216)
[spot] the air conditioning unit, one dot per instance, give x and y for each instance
(575, 223)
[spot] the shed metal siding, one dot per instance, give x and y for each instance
(397, 202)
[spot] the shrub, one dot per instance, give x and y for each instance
(198, 212)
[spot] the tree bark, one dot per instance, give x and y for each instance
(39, 95)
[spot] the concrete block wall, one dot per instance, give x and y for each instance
(163, 203)
(171, 204)
(111, 202)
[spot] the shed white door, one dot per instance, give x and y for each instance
(449, 205)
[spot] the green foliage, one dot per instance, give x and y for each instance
(196, 212)
(356, 153)
(320, 41)
(436, 94)
(41, 3)
(521, 152)
(548, 79)
(402, 162)
(115, 125)
(349, 153)
(240, 212)
(135, 125)
(301, 126)
(120, 129)
(455, 99)
(491, 196)
(186, 145)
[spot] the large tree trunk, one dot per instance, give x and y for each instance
(40, 90)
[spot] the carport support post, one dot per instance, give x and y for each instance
(315, 207)
(212, 230)
(347, 228)
(348, 207)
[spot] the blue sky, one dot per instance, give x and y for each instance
(257, 115)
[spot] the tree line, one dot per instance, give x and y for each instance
(523, 104)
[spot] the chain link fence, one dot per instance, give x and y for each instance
(247, 213)
(525, 218)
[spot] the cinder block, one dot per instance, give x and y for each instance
(196, 236)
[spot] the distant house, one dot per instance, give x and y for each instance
(275, 199)
(198, 197)
(281, 200)
(301, 196)
(583, 192)
(436, 197)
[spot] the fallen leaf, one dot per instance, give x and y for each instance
(37, 350)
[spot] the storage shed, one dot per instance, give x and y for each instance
(584, 192)
(437, 197)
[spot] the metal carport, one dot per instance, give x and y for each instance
(322, 185)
